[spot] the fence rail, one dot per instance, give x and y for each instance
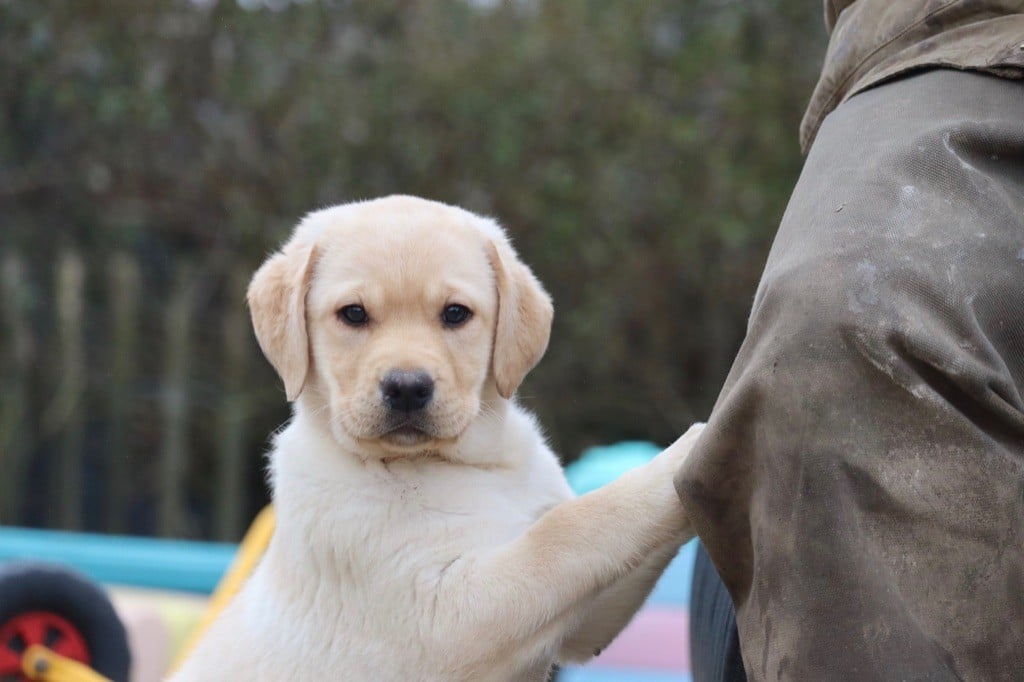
(132, 396)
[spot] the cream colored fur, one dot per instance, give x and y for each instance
(452, 548)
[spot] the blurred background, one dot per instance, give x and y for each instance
(153, 152)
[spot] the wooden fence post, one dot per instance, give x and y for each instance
(230, 499)
(174, 404)
(123, 282)
(65, 414)
(15, 431)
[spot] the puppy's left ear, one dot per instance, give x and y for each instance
(524, 317)
(277, 303)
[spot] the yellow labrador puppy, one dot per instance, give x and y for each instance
(424, 528)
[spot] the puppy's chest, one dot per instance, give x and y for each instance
(403, 536)
(416, 526)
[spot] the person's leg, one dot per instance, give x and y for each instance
(714, 640)
(860, 484)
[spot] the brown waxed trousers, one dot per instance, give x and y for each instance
(860, 484)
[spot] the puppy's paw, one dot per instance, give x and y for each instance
(672, 457)
(659, 487)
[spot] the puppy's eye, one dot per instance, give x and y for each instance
(455, 315)
(354, 315)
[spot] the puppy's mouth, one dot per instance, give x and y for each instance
(407, 433)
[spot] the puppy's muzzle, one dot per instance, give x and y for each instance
(407, 391)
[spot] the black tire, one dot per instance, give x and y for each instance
(32, 586)
(714, 639)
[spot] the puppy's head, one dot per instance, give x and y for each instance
(394, 319)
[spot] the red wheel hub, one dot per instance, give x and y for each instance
(38, 627)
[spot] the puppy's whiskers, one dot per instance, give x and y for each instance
(488, 414)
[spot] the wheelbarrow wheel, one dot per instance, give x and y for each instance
(64, 611)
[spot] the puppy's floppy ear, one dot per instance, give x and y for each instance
(277, 303)
(524, 317)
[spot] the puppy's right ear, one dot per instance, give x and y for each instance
(277, 303)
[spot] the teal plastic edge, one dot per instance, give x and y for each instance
(181, 565)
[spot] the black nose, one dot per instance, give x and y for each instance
(407, 391)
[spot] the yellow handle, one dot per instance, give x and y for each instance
(39, 663)
(254, 544)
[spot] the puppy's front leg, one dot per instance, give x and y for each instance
(612, 609)
(578, 549)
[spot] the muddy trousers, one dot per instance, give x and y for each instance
(860, 485)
